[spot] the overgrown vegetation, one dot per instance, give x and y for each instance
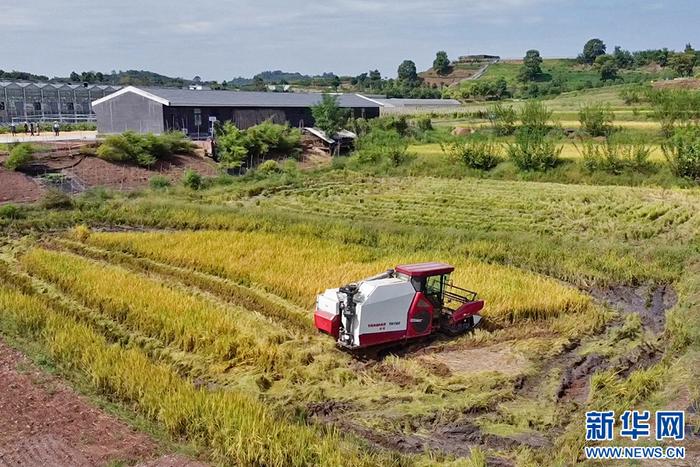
(143, 149)
(236, 148)
(596, 119)
(682, 151)
(615, 158)
(20, 156)
(476, 153)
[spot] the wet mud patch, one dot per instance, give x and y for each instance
(576, 378)
(650, 302)
(455, 438)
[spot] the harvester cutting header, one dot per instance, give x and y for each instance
(409, 302)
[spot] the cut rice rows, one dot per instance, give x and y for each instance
(589, 212)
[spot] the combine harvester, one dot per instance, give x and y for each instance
(410, 302)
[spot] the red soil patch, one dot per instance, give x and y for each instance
(44, 422)
(19, 188)
(93, 172)
(88, 171)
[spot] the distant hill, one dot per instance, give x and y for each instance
(279, 76)
(123, 78)
(466, 68)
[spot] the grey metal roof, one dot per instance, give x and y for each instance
(206, 98)
(24, 84)
(395, 102)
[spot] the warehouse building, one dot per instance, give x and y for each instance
(150, 110)
(49, 101)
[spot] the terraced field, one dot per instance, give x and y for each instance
(195, 312)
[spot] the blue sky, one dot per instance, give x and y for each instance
(224, 38)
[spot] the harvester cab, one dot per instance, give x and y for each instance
(408, 302)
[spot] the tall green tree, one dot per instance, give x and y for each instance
(623, 58)
(441, 64)
(683, 63)
(607, 67)
(532, 66)
(328, 115)
(407, 72)
(593, 49)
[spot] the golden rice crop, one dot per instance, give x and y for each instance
(298, 267)
(173, 316)
(238, 429)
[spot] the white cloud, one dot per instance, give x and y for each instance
(195, 27)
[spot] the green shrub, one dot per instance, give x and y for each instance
(258, 142)
(55, 199)
(269, 138)
(159, 182)
(475, 153)
(615, 158)
(20, 155)
(143, 150)
(503, 119)
(231, 146)
(533, 151)
(596, 119)
(269, 167)
(399, 124)
(10, 211)
(424, 123)
(535, 117)
(192, 179)
(682, 151)
(359, 126)
(381, 145)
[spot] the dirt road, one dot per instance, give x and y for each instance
(46, 423)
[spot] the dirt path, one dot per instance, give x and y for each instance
(45, 423)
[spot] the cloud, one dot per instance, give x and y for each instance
(194, 27)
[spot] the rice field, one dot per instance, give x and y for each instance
(198, 314)
(569, 151)
(298, 268)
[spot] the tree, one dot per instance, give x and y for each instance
(593, 49)
(231, 145)
(607, 67)
(684, 63)
(441, 65)
(531, 68)
(74, 76)
(407, 72)
(335, 82)
(623, 58)
(329, 116)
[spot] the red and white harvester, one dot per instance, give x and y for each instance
(409, 302)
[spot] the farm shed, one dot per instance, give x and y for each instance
(159, 110)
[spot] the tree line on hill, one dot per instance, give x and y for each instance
(597, 67)
(532, 80)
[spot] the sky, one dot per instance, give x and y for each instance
(223, 39)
